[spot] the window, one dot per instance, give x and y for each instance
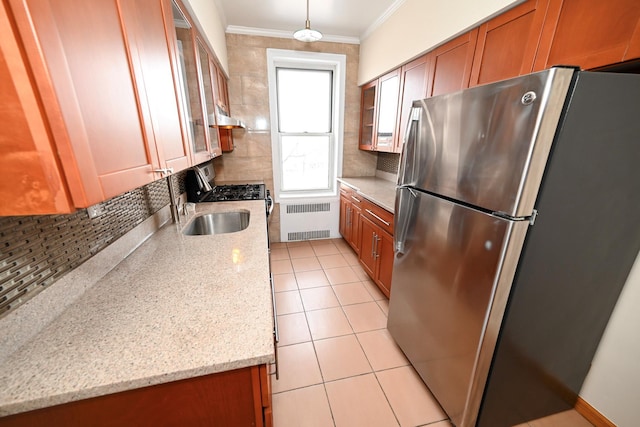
(306, 95)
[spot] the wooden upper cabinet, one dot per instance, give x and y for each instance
(222, 102)
(590, 33)
(89, 94)
(99, 110)
(378, 113)
(31, 178)
(368, 115)
(151, 57)
(386, 111)
(450, 64)
(413, 86)
(507, 44)
(207, 88)
(187, 70)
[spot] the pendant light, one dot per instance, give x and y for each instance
(307, 34)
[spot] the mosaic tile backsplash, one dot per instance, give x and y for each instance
(388, 162)
(38, 250)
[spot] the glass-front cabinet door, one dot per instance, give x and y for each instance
(206, 82)
(187, 76)
(368, 116)
(388, 94)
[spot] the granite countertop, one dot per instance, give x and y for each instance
(177, 307)
(380, 191)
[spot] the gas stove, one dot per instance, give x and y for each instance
(201, 188)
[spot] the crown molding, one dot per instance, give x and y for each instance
(382, 18)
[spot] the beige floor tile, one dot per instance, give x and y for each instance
(384, 306)
(440, 424)
(327, 323)
(311, 279)
(303, 407)
(297, 367)
(381, 350)
(320, 242)
(293, 329)
(327, 249)
(288, 302)
(342, 246)
(341, 357)
(318, 298)
(410, 399)
(563, 419)
(351, 257)
(340, 275)
(365, 317)
(374, 290)
(281, 266)
(278, 245)
(359, 402)
(332, 261)
(301, 252)
(305, 264)
(278, 254)
(352, 293)
(298, 244)
(285, 282)
(362, 275)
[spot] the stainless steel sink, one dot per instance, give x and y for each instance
(218, 223)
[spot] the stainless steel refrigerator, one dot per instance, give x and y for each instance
(516, 225)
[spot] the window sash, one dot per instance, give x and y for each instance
(306, 167)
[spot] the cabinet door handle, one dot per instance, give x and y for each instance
(376, 250)
(348, 216)
(356, 199)
(373, 245)
(164, 171)
(378, 218)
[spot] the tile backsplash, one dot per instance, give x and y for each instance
(388, 162)
(39, 250)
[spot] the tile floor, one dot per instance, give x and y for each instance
(338, 365)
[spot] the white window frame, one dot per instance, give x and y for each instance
(309, 60)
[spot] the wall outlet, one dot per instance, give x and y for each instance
(95, 210)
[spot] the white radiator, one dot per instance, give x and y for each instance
(309, 219)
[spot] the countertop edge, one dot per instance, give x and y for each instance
(377, 190)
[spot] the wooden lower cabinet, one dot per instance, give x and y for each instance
(350, 212)
(236, 398)
(376, 254)
(376, 244)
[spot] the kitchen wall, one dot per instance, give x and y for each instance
(418, 26)
(613, 384)
(249, 101)
(210, 22)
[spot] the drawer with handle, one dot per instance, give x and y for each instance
(379, 216)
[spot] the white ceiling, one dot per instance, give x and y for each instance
(338, 20)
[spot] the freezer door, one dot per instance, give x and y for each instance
(486, 146)
(452, 274)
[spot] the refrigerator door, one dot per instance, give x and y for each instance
(451, 278)
(486, 146)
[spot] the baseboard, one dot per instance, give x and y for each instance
(591, 414)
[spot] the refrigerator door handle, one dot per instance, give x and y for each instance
(408, 148)
(405, 208)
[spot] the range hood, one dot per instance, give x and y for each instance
(224, 121)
